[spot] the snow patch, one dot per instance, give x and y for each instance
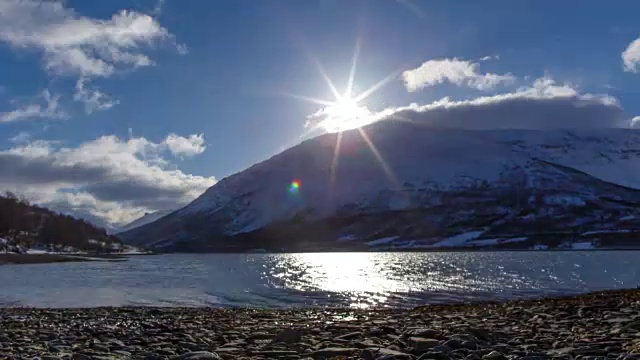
(496, 241)
(483, 242)
(610, 231)
(37, 251)
(564, 200)
(517, 239)
(381, 241)
(459, 239)
(347, 238)
(586, 245)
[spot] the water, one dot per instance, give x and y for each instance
(346, 279)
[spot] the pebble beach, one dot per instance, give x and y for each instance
(604, 325)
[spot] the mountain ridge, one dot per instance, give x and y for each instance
(143, 220)
(399, 168)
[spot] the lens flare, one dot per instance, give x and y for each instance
(294, 187)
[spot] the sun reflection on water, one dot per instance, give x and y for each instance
(362, 279)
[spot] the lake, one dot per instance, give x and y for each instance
(316, 279)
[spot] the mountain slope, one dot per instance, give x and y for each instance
(407, 185)
(25, 227)
(143, 220)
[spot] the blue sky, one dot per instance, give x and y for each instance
(110, 109)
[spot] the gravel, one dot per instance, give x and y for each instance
(599, 326)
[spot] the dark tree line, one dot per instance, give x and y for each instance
(22, 223)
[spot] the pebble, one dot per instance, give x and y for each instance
(199, 355)
(422, 344)
(494, 355)
(598, 326)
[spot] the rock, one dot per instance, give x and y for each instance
(389, 329)
(494, 355)
(435, 355)
(463, 337)
(421, 344)
(561, 351)
(349, 336)
(259, 335)
(633, 325)
(122, 353)
(442, 348)
(199, 355)
(166, 351)
(453, 344)
(78, 356)
(375, 332)
(117, 344)
(276, 353)
(389, 354)
(367, 345)
(100, 347)
(423, 333)
(367, 354)
(470, 344)
(332, 352)
(190, 346)
(590, 351)
(148, 356)
(288, 336)
(480, 333)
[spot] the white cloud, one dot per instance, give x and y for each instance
(157, 9)
(44, 106)
(75, 44)
(543, 105)
(635, 122)
(93, 99)
(21, 137)
(631, 57)
(455, 71)
(106, 180)
(185, 146)
(490, 57)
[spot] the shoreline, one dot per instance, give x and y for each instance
(595, 324)
(25, 259)
(18, 259)
(470, 250)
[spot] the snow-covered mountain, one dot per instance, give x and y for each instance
(143, 220)
(406, 185)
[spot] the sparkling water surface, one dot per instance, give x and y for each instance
(317, 279)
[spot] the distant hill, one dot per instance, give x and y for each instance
(143, 220)
(30, 228)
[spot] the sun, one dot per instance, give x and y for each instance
(345, 111)
(344, 114)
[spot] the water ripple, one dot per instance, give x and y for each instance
(342, 279)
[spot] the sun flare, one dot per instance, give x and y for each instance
(344, 114)
(345, 111)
